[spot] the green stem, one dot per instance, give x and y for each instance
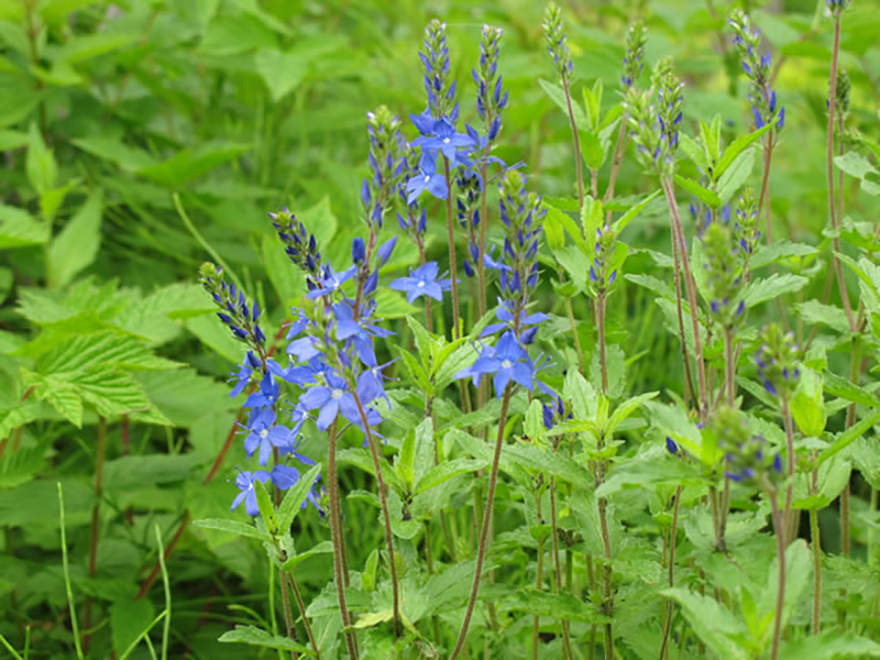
(383, 501)
(780, 592)
(577, 143)
(670, 605)
(539, 577)
(94, 535)
(484, 528)
(453, 263)
(335, 535)
(65, 564)
(816, 542)
(789, 440)
(557, 568)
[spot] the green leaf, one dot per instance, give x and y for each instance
(281, 71)
(232, 527)
(559, 606)
(778, 251)
(830, 645)
(19, 229)
(778, 284)
(858, 166)
(128, 618)
(42, 171)
(714, 624)
(808, 404)
(633, 211)
(188, 164)
(736, 175)
(128, 158)
(846, 389)
(87, 46)
(446, 471)
(320, 221)
(289, 282)
(267, 507)
(76, 247)
(293, 500)
(698, 191)
(850, 435)
(557, 95)
(739, 145)
(591, 149)
(322, 548)
(625, 409)
(254, 636)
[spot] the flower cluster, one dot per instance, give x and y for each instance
(757, 68)
(387, 164)
(634, 57)
(235, 312)
(702, 215)
(522, 215)
(747, 457)
(491, 97)
(300, 245)
(439, 85)
(602, 275)
(746, 226)
(837, 7)
(555, 38)
(556, 412)
(264, 435)
(723, 274)
(469, 187)
(776, 359)
(841, 102)
(654, 127)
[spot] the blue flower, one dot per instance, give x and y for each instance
(248, 495)
(428, 179)
(422, 282)
(265, 434)
(444, 138)
(285, 476)
(329, 280)
(300, 375)
(360, 333)
(266, 396)
(508, 361)
(506, 318)
(243, 375)
(332, 398)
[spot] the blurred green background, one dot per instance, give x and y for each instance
(110, 109)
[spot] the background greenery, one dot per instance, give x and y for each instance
(140, 138)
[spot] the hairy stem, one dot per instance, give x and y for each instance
(453, 263)
(335, 535)
(574, 333)
(670, 605)
(600, 322)
(619, 151)
(835, 221)
(557, 568)
(789, 440)
(575, 136)
(690, 393)
(383, 501)
(288, 612)
(690, 288)
(816, 542)
(780, 591)
(539, 577)
(484, 528)
(94, 534)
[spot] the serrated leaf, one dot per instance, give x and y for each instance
(703, 194)
(736, 175)
(446, 471)
(739, 145)
(76, 247)
(254, 636)
(322, 548)
(713, 623)
(778, 284)
(295, 497)
(849, 436)
(557, 95)
(232, 527)
(42, 170)
(19, 229)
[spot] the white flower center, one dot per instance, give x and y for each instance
(445, 140)
(270, 398)
(336, 393)
(264, 434)
(250, 486)
(427, 178)
(506, 364)
(421, 283)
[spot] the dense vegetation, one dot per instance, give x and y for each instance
(550, 332)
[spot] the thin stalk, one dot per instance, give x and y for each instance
(816, 542)
(301, 606)
(577, 143)
(789, 439)
(730, 390)
(591, 580)
(453, 263)
(481, 267)
(539, 578)
(835, 222)
(484, 528)
(600, 322)
(557, 568)
(855, 372)
(288, 613)
(429, 317)
(670, 605)
(780, 592)
(619, 151)
(429, 560)
(383, 501)
(872, 541)
(690, 392)
(690, 288)
(66, 570)
(577, 340)
(335, 535)
(94, 534)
